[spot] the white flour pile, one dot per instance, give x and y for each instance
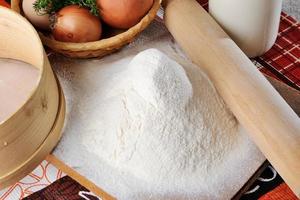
(152, 129)
(162, 126)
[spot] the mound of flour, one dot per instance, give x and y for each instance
(163, 125)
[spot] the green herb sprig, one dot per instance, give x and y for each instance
(51, 6)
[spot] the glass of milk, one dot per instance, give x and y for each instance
(252, 24)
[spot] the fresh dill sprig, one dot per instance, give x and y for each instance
(90, 4)
(50, 6)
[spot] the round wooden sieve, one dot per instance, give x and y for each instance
(35, 128)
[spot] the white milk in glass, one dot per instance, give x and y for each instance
(17, 82)
(252, 24)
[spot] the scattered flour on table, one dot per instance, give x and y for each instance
(163, 125)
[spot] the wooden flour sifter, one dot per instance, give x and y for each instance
(270, 121)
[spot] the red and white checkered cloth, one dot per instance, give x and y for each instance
(283, 60)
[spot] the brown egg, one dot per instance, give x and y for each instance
(123, 13)
(38, 20)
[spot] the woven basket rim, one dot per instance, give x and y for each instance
(107, 43)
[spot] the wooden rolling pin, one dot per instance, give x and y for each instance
(270, 121)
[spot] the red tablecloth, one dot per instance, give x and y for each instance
(4, 3)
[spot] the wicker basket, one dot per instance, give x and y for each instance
(30, 134)
(98, 48)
